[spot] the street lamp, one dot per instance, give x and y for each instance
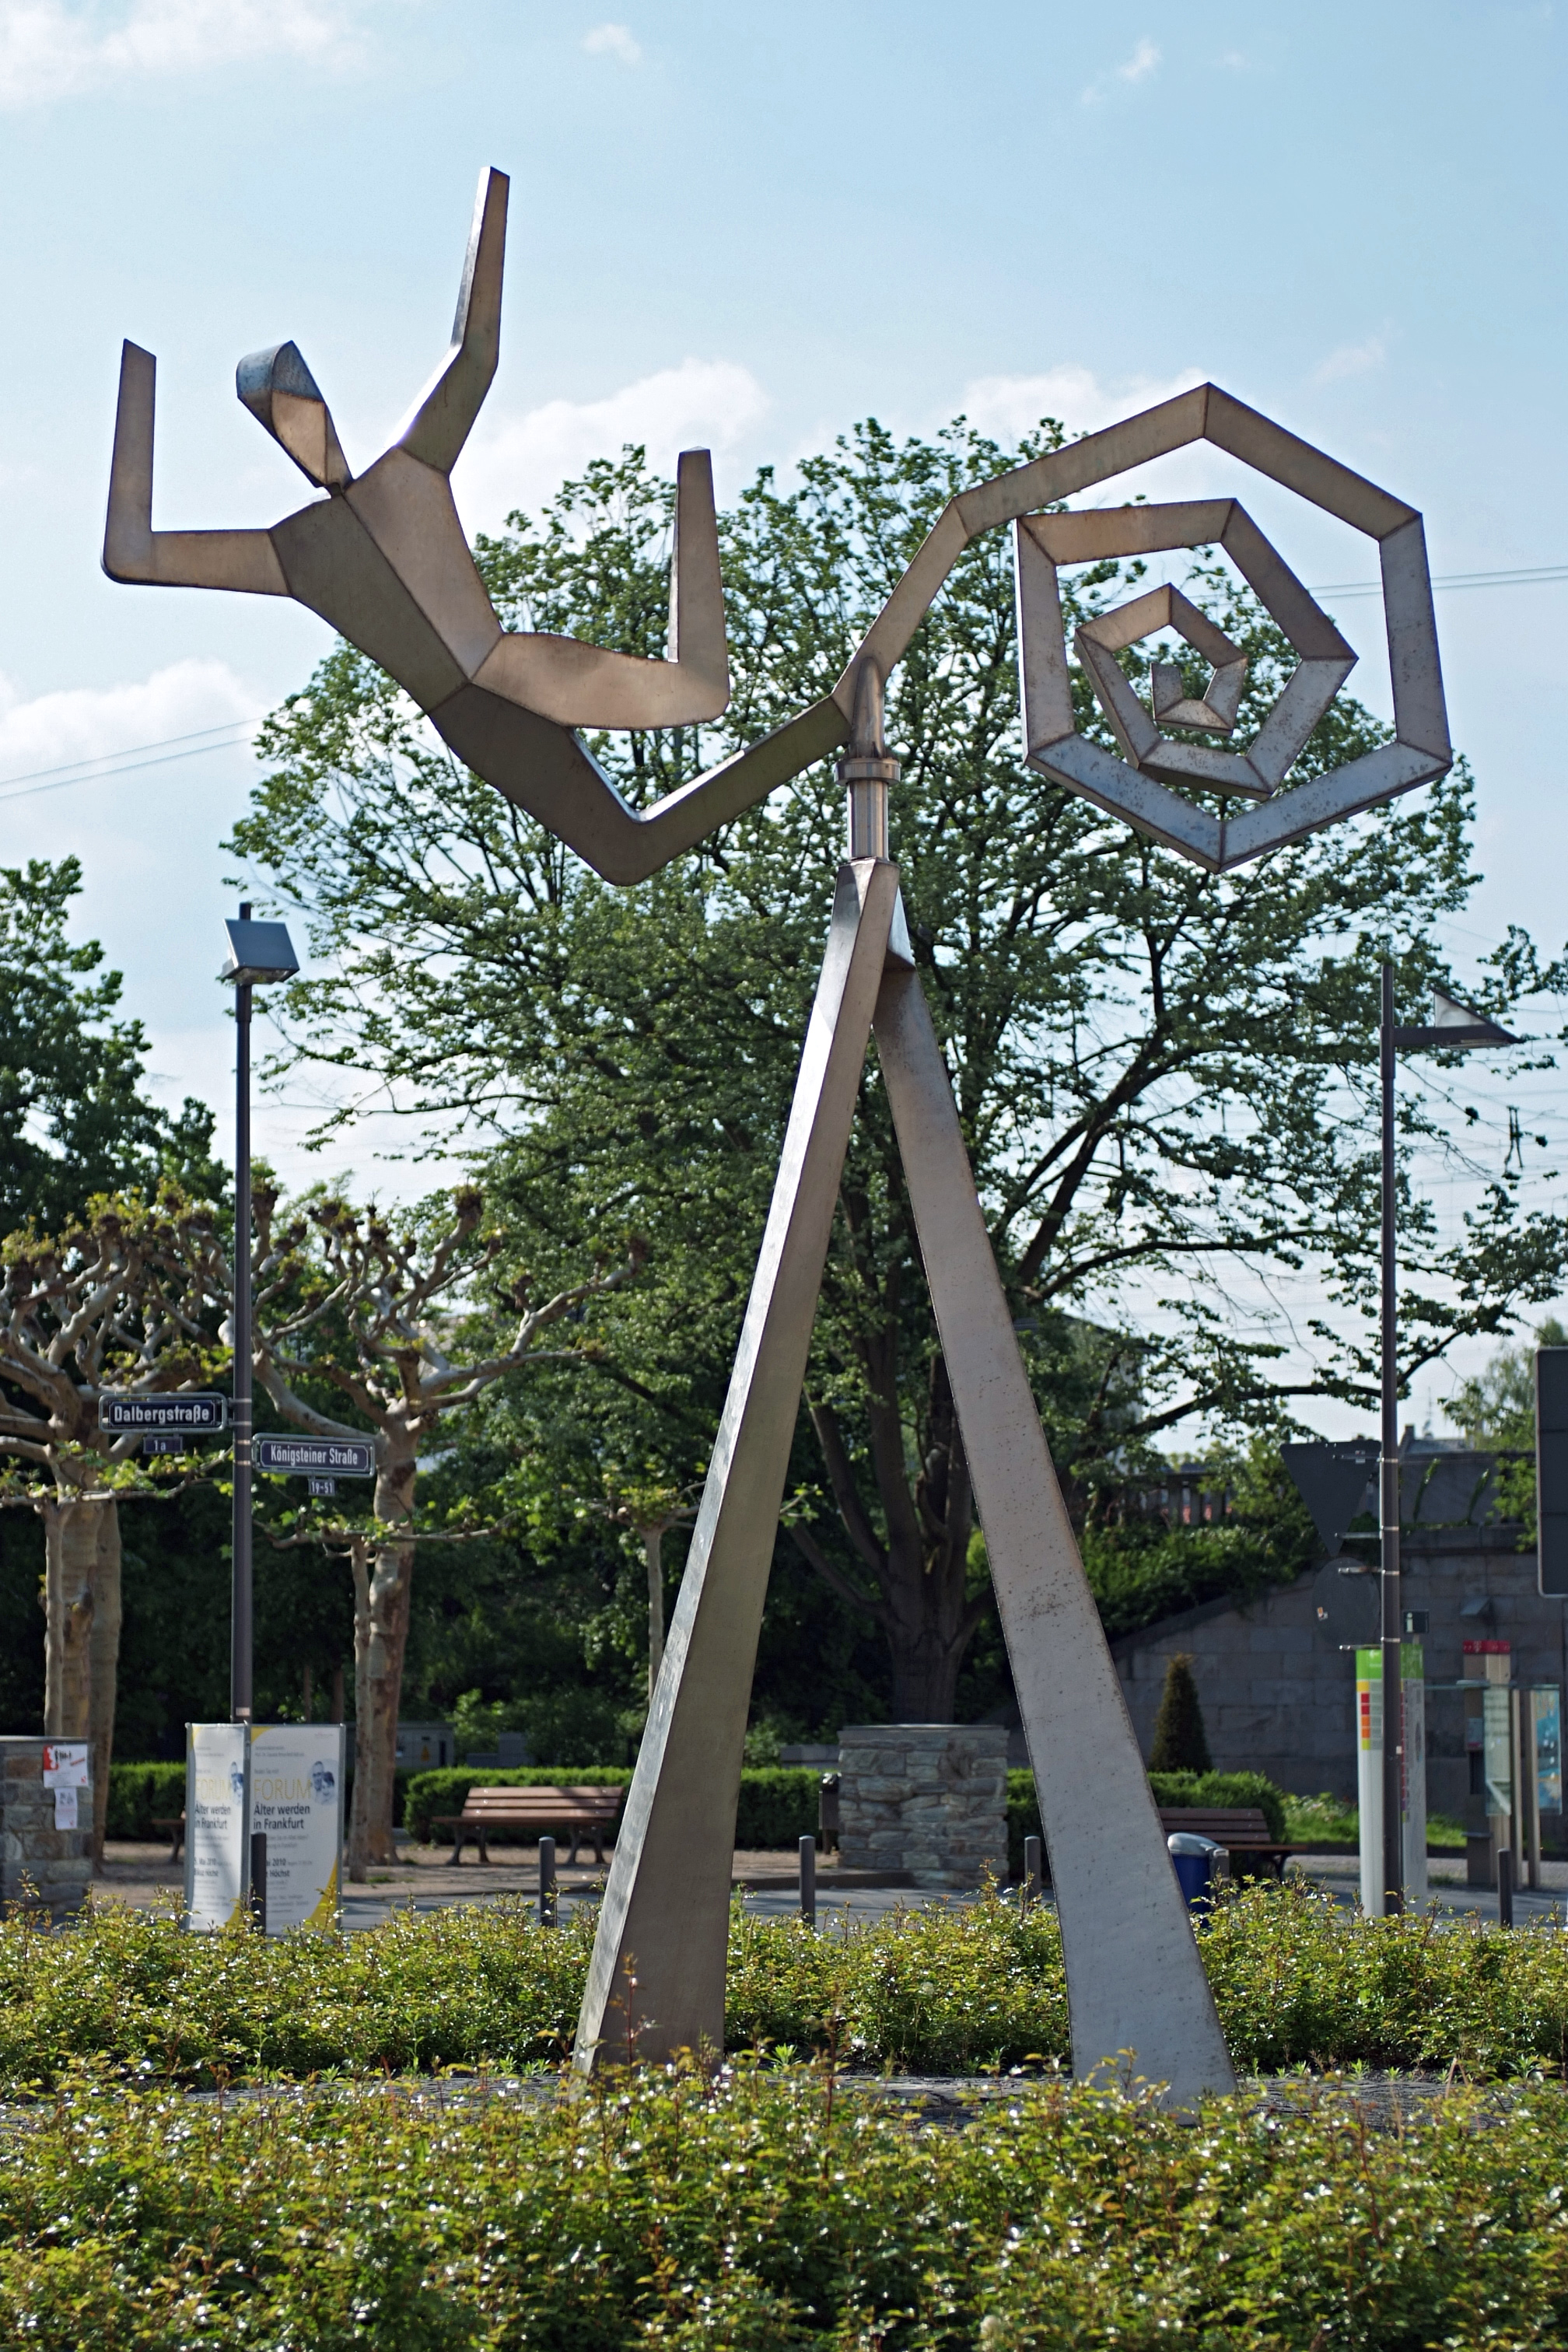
(1454, 1027)
(257, 953)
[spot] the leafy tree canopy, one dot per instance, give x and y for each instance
(1164, 1076)
(74, 1119)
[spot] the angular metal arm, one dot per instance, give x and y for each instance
(442, 417)
(132, 550)
(587, 685)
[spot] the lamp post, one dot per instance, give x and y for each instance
(257, 952)
(1454, 1027)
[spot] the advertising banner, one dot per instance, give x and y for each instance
(67, 1772)
(1369, 1775)
(216, 1756)
(1546, 1716)
(297, 1800)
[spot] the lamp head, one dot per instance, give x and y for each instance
(259, 953)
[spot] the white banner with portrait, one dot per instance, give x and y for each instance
(297, 1800)
(216, 1755)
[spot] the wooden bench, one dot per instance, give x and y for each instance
(174, 1831)
(1242, 1830)
(581, 1812)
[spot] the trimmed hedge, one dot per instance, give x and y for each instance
(1296, 1982)
(141, 1793)
(778, 1804)
(763, 2210)
(1169, 1787)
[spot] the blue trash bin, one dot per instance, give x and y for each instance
(1197, 1863)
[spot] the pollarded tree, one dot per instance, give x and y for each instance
(396, 1326)
(1163, 1075)
(124, 1300)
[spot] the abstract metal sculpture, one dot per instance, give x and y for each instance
(383, 558)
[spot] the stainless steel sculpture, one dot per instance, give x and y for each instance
(383, 558)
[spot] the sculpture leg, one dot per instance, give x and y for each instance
(656, 1980)
(1134, 1979)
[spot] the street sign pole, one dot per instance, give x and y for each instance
(257, 952)
(1454, 1028)
(242, 1615)
(1391, 1624)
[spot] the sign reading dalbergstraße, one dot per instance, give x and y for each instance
(188, 1411)
(298, 1457)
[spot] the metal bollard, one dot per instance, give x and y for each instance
(1505, 1887)
(258, 1881)
(1033, 1873)
(808, 1881)
(547, 1882)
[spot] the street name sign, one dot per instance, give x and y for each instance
(329, 1457)
(188, 1413)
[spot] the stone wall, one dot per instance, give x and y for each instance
(928, 1800)
(1278, 1690)
(41, 1867)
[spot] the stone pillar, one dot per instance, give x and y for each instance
(926, 1801)
(46, 1868)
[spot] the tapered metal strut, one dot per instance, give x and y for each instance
(1135, 1982)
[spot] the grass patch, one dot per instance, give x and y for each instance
(768, 2212)
(1329, 1824)
(1298, 1983)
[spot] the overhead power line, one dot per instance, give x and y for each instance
(235, 731)
(1516, 578)
(118, 763)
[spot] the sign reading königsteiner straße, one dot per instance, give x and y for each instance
(298, 1457)
(119, 1409)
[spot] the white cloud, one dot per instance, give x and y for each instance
(702, 404)
(49, 50)
(1143, 61)
(613, 41)
(1350, 359)
(87, 722)
(1008, 405)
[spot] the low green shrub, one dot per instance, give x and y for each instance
(1169, 1787)
(1297, 1982)
(778, 1804)
(769, 2210)
(138, 1793)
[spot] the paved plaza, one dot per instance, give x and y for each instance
(423, 1879)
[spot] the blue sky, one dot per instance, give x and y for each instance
(748, 227)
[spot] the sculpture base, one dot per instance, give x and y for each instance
(925, 1800)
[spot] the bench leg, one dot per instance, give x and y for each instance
(576, 1841)
(598, 1849)
(484, 1847)
(457, 1848)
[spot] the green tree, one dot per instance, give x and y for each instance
(73, 1120)
(1181, 1743)
(362, 1327)
(122, 1300)
(1164, 1076)
(1495, 1408)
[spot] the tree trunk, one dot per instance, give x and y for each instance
(70, 1556)
(653, 1553)
(930, 1620)
(105, 1648)
(81, 1633)
(383, 1583)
